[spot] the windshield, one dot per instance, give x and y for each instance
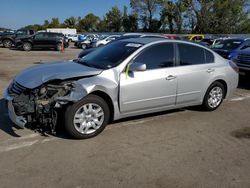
(227, 44)
(111, 55)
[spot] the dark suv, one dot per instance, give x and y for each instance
(8, 39)
(42, 40)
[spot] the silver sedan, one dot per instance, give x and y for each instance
(125, 78)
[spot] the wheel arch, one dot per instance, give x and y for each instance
(224, 83)
(107, 99)
(220, 80)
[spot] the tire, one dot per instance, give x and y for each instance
(59, 47)
(27, 46)
(83, 46)
(214, 96)
(7, 43)
(70, 40)
(80, 113)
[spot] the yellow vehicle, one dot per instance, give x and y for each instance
(194, 37)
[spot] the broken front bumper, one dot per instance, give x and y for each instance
(18, 120)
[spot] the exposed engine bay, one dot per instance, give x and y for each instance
(40, 105)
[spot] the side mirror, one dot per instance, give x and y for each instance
(137, 67)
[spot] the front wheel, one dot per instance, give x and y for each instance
(214, 96)
(7, 43)
(84, 46)
(87, 118)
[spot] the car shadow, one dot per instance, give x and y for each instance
(244, 82)
(5, 124)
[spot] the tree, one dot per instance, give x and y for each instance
(89, 23)
(114, 19)
(129, 22)
(55, 23)
(146, 10)
(220, 16)
(70, 22)
(46, 24)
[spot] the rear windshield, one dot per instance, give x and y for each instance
(111, 55)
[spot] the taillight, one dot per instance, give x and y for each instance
(234, 66)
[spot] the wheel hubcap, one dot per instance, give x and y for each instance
(215, 97)
(7, 43)
(26, 46)
(88, 118)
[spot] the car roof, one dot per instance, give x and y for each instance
(145, 40)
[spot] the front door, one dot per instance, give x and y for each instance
(153, 88)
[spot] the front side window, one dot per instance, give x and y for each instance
(157, 56)
(191, 55)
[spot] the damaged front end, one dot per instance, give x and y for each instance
(40, 105)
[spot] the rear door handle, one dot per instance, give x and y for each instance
(210, 70)
(170, 77)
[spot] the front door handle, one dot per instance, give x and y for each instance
(170, 77)
(210, 70)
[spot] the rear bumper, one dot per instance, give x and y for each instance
(18, 120)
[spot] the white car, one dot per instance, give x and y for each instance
(106, 40)
(72, 38)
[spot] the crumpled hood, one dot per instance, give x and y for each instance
(39, 74)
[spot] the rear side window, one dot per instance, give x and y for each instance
(157, 56)
(209, 56)
(194, 55)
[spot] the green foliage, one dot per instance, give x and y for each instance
(173, 16)
(147, 10)
(114, 20)
(70, 22)
(55, 23)
(88, 23)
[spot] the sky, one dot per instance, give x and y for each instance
(15, 14)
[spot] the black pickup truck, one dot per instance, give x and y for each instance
(8, 39)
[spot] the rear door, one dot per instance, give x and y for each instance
(153, 88)
(41, 40)
(195, 69)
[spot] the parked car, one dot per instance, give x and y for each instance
(104, 41)
(8, 39)
(42, 40)
(194, 37)
(242, 59)
(125, 78)
(172, 36)
(86, 41)
(72, 38)
(207, 41)
(227, 48)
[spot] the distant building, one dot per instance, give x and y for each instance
(64, 31)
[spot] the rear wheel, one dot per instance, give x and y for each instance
(214, 96)
(59, 47)
(7, 43)
(27, 46)
(87, 118)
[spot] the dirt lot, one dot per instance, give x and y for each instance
(183, 148)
